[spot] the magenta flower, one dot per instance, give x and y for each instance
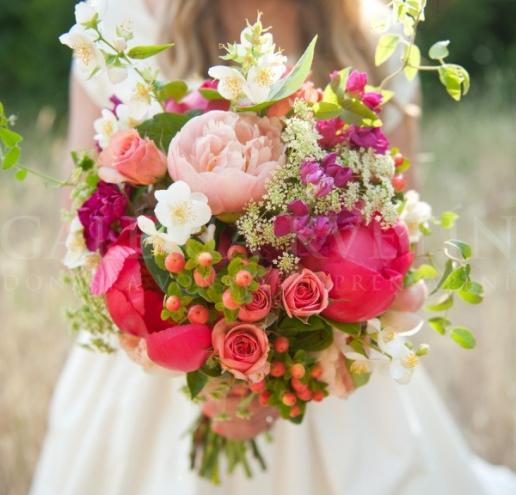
(373, 100)
(100, 216)
(332, 132)
(356, 82)
(369, 137)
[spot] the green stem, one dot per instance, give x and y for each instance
(41, 175)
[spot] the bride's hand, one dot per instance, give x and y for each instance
(235, 428)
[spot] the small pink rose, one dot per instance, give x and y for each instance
(227, 156)
(259, 307)
(242, 349)
(306, 293)
(129, 158)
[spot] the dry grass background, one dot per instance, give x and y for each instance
(472, 166)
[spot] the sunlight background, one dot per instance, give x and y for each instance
(467, 163)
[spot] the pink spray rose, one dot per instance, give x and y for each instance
(129, 158)
(305, 294)
(367, 264)
(227, 156)
(242, 349)
(259, 307)
(182, 348)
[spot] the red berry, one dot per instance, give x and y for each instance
(318, 395)
(289, 399)
(398, 159)
(173, 303)
(198, 314)
(243, 278)
(236, 249)
(228, 301)
(316, 372)
(205, 259)
(297, 370)
(257, 387)
(399, 182)
(175, 262)
(298, 385)
(264, 397)
(305, 395)
(206, 281)
(281, 344)
(278, 369)
(295, 411)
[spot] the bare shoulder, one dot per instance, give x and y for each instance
(155, 6)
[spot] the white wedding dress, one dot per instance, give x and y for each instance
(116, 430)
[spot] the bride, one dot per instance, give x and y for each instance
(114, 429)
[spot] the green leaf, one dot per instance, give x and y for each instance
(413, 56)
(163, 127)
(325, 110)
(294, 326)
(447, 270)
(313, 341)
(175, 90)
(455, 79)
(456, 279)
(424, 272)
(464, 249)
(196, 380)
(21, 175)
(11, 158)
(444, 303)
(472, 293)
(146, 51)
(385, 48)
(9, 138)
(439, 324)
(161, 277)
(210, 94)
(358, 108)
(448, 219)
(463, 337)
(439, 50)
(297, 76)
(349, 328)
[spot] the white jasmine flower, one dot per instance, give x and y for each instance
(262, 76)
(120, 43)
(105, 127)
(84, 49)
(86, 12)
(132, 114)
(403, 365)
(117, 74)
(77, 254)
(181, 212)
(414, 214)
(125, 29)
(161, 241)
(208, 234)
(232, 83)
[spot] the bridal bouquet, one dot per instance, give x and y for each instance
(255, 232)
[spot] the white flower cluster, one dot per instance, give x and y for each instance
(415, 213)
(259, 66)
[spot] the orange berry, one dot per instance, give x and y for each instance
(298, 385)
(257, 387)
(205, 259)
(243, 278)
(289, 399)
(316, 372)
(281, 344)
(198, 314)
(398, 159)
(318, 395)
(206, 281)
(175, 262)
(173, 303)
(295, 411)
(297, 370)
(278, 369)
(305, 395)
(264, 397)
(236, 249)
(228, 301)
(399, 182)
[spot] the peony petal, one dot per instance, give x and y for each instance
(109, 269)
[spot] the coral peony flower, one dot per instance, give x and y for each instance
(133, 299)
(227, 156)
(129, 158)
(306, 293)
(259, 307)
(367, 264)
(242, 349)
(100, 214)
(182, 348)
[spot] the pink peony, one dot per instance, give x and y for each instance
(182, 348)
(227, 156)
(259, 307)
(129, 158)
(242, 349)
(305, 294)
(367, 264)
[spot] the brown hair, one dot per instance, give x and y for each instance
(195, 27)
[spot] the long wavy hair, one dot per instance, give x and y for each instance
(196, 28)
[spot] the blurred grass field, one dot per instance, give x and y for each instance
(468, 154)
